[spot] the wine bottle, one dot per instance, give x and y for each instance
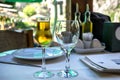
(87, 26)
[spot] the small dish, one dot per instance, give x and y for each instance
(90, 50)
(36, 53)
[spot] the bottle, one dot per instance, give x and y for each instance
(77, 17)
(87, 26)
(80, 24)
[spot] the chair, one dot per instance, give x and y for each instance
(15, 40)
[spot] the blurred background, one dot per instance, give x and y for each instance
(19, 15)
(108, 7)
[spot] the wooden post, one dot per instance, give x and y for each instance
(29, 35)
(68, 9)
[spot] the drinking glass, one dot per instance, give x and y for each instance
(44, 38)
(67, 35)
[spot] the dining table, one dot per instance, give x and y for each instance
(12, 68)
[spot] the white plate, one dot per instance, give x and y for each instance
(90, 50)
(36, 53)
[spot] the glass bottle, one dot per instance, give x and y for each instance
(80, 24)
(87, 26)
(77, 17)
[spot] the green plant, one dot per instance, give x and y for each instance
(24, 25)
(29, 10)
(20, 25)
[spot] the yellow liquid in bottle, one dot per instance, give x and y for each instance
(43, 34)
(87, 27)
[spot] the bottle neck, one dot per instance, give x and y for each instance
(77, 17)
(87, 13)
(87, 16)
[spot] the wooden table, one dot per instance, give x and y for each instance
(22, 72)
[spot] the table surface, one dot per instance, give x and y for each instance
(22, 72)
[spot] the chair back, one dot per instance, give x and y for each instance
(15, 40)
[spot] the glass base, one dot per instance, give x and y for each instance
(67, 74)
(43, 74)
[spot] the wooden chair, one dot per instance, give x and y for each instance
(15, 40)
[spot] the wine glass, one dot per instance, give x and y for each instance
(67, 35)
(44, 38)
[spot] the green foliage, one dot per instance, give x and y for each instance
(20, 25)
(24, 25)
(118, 6)
(4, 18)
(29, 10)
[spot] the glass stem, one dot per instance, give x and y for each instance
(43, 59)
(67, 67)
